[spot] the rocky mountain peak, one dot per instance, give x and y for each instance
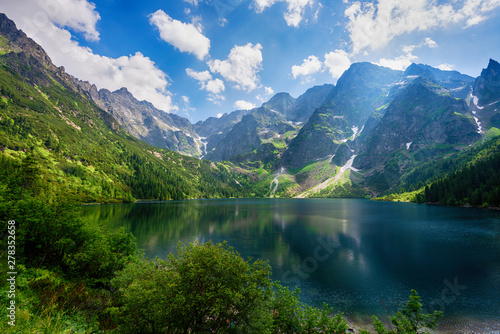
(418, 70)
(487, 86)
(281, 102)
(124, 92)
(7, 26)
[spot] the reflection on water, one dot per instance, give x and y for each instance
(349, 253)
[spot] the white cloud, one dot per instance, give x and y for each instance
(268, 91)
(446, 67)
(78, 15)
(241, 66)
(243, 105)
(186, 37)
(399, 63)
(309, 66)
(373, 25)
(219, 115)
(430, 43)
(426, 42)
(213, 86)
(136, 72)
(405, 60)
(185, 99)
(192, 2)
(295, 9)
(200, 76)
(337, 62)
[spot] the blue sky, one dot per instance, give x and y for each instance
(202, 58)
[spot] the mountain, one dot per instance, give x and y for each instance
(308, 102)
(213, 129)
(377, 131)
(262, 127)
(423, 122)
(145, 122)
(459, 85)
(485, 98)
(359, 91)
(262, 133)
(48, 122)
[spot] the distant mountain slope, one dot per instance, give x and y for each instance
(213, 129)
(360, 90)
(80, 148)
(145, 122)
(372, 133)
(485, 98)
(423, 122)
(266, 130)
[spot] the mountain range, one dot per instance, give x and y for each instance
(361, 137)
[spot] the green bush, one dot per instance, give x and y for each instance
(410, 320)
(204, 288)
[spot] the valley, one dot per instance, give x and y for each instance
(423, 135)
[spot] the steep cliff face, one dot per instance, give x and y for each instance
(145, 122)
(213, 129)
(275, 123)
(487, 85)
(360, 90)
(282, 103)
(305, 104)
(423, 122)
(485, 99)
(261, 126)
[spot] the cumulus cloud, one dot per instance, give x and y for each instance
(405, 60)
(373, 25)
(78, 15)
(446, 67)
(309, 66)
(213, 86)
(295, 9)
(186, 37)
(268, 92)
(241, 66)
(136, 72)
(426, 42)
(243, 105)
(337, 62)
(399, 63)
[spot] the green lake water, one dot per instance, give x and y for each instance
(352, 254)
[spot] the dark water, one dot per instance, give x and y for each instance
(352, 254)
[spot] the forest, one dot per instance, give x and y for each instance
(72, 276)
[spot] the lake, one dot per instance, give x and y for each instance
(352, 254)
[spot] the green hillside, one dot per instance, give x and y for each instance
(81, 149)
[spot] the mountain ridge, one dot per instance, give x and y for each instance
(359, 137)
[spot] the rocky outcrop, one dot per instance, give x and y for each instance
(420, 120)
(487, 86)
(359, 91)
(145, 122)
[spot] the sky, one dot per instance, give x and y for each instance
(203, 58)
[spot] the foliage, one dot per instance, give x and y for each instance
(204, 288)
(477, 184)
(209, 288)
(289, 315)
(410, 319)
(80, 148)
